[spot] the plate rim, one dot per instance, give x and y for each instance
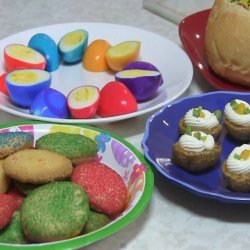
(200, 192)
(131, 216)
(239, 88)
(104, 120)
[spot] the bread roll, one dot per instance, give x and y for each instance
(227, 40)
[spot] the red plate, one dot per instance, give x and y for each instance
(192, 34)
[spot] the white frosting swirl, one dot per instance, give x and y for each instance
(234, 117)
(208, 121)
(238, 166)
(193, 144)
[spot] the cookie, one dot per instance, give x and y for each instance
(5, 181)
(95, 221)
(76, 147)
(7, 208)
(106, 189)
(13, 233)
(11, 142)
(18, 197)
(54, 211)
(37, 166)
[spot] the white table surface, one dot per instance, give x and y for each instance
(175, 218)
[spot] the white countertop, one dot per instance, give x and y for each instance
(175, 218)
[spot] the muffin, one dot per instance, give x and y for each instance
(236, 169)
(203, 120)
(237, 119)
(196, 151)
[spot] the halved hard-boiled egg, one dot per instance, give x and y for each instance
(143, 79)
(72, 45)
(50, 103)
(94, 58)
(46, 46)
(119, 55)
(83, 101)
(18, 56)
(23, 85)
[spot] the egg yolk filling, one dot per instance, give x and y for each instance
(24, 77)
(137, 73)
(84, 94)
(22, 52)
(74, 38)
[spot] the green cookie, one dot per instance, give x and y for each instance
(13, 233)
(95, 221)
(54, 211)
(75, 147)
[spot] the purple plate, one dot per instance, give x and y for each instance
(162, 131)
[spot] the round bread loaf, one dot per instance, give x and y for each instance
(227, 41)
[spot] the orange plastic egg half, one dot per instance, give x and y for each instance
(94, 57)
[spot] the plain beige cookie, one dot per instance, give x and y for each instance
(4, 179)
(37, 166)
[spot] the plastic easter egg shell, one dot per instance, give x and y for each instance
(50, 103)
(46, 46)
(72, 45)
(17, 56)
(24, 85)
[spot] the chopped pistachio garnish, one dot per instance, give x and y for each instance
(188, 130)
(236, 156)
(239, 108)
(197, 112)
(204, 138)
(244, 155)
(244, 3)
(234, 104)
(217, 113)
(247, 111)
(197, 135)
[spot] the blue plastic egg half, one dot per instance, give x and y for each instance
(72, 45)
(46, 46)
(23, 85)
(50, 103)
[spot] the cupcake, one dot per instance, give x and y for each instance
(202, 120)
(237, 119)
(236, 169)
(196, 151)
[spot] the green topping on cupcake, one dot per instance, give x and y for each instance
(188, 130)
(218, 115)
(197, 112)
(244, 155)
(240, 108)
